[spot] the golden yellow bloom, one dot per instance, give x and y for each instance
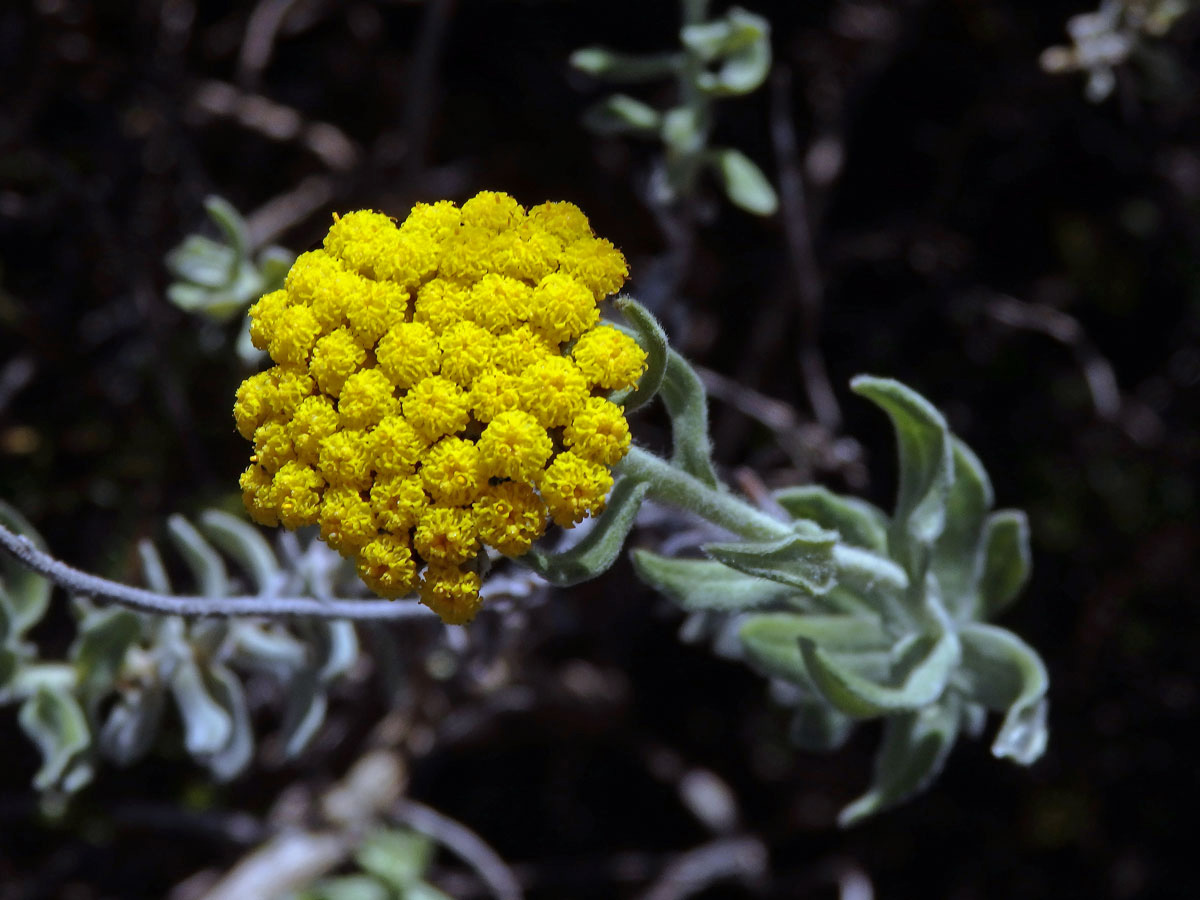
(421, 388)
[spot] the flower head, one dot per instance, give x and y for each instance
(439, 386)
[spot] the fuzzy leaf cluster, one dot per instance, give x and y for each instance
(127, 673)
(862, 615)
(724, 57)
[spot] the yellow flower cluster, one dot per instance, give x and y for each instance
(439, 385)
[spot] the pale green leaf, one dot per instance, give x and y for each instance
(622, 114)
(744, 182)
(1006, 560)
(27, 593)
(624, 67)
(244, 543)
(132, 724)
(652, 339)
(1005, 674)
(56, 724)
(206, 564)
(207, 726)
(702, 584)
(858, 522)
(956, 557)
(396, 857)
(803, 559)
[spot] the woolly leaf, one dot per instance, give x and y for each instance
(914, 750)
(349, 887)
(207, 726)
(683, 131)
(1006, 560)
(859, 523)
(651, 337)
(226, 689)
(304, 713)
(600, 548)
(622, 114)
(396, 857)
(24, 593)
(334, 647)
(687, 404)
(53, 720)
(744, 182)
(803, 559)
(1007, 675)
(956, 557)
(623, 67)
(772, 643)
(153, 569)
(244, 543)
(699, 584)
(132, 725)
(267, 649)
(233, 226)
(98, 652)
(206, 564)
(926, 467)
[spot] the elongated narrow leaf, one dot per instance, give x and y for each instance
(956, 558)
(53, 720)
(27, 592)
(396, 857)
(98, 653)
(858, 522)
(132, 725)
(702, 584)
(651, 337)
(153, 569)
(267, 648)
(304, 713)
(926, 466)
(1006, 560)
(622, 114)
(226, 689)
(623, 67)
(687, 404)
(244, 543)
(1006, 674)
(333, 645)
(744, 182)
(206, 564)
(772, 643)
(914, 750)
(207, 726)
(233, 226)
(802, 560)
(600, 548)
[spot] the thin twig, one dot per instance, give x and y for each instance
(259, 42)
(77, 582)
(464, 843)
(280, 213)
(691, 873)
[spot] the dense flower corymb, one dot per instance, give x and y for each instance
(439, 386)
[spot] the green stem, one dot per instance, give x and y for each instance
(677, 488)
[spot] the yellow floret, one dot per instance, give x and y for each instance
(296, 330)
(264, 316)
(596, 263)
(562, 307)
(396, 446)
(437, 406)
(333, 296)
(465, 254)
(514, 445)
(386, 566)
(499, 303)
(272, 446)
(446, 534)
(574, 488)
(367, 396)
(296, 491)
(256, 401)
(438, 220)
(355, 238)
(315, 419)
(440, 303)
(347, 521)
(381, 305)
(525, 252)
(452, 471)
(335, 358)
(411, 258)
(565, 221)
(492, 210)
(291, 387)
(345, 459)
(553, 390)
(598, 432)
(256, 495)
(398, 502)
(408, 353)
(492, 393)
(511, 516)
(309, 274)
(467, 350)
(609, 358)
(452, 593)
(520, 348)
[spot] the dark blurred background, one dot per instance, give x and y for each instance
(1027, 259)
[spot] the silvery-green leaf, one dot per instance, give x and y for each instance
(207, 726)
(1006, 560)
(744, 182)
(914, 750)
(708, 40)
(54, 721)
(348, 887)
(701, 584)
(204, 263)
(153, 569)
(683, 130)
(772, 643)
(600, 548)
(860, 523)
(918, 676)
(396, 857)
(226, 689)
(9, 662)
(926, 467)
(622, 114)
(425, 891)
(334, 647)
(27, 592)
(304, 712)
(803, 559)
(651, 338)
(132, 725)
(684, 396)
(267, 648)
(624, 67)
(273, 266)
(1006, 674)
(741, 41)
(819, 728)
(232, 226)
(956, 558)
(245, 543)
(206, 564)
(98, 652)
